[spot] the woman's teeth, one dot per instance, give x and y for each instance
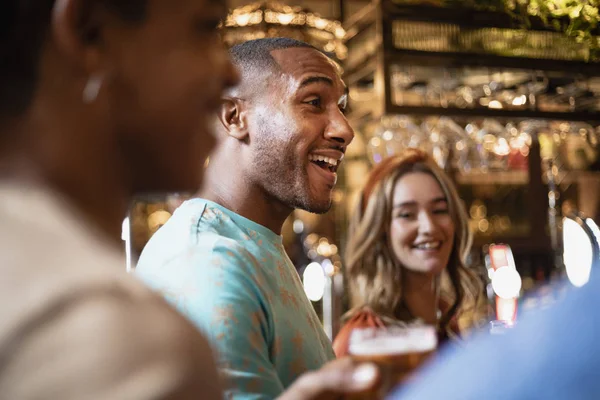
(428, 245)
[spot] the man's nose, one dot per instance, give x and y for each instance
(339, 129)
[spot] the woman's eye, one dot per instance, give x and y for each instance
(404, 215)
(441, 211)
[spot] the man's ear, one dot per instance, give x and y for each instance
(77, 27)
(232, 114)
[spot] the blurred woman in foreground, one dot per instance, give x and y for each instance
(101, 100)
(408, 240)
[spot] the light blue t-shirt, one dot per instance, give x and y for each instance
(234, 280)
(551, 354)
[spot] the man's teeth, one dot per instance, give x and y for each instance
(429, 245)
(331, 161)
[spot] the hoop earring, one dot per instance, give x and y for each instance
(92, 89)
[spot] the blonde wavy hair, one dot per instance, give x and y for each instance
(373, 272)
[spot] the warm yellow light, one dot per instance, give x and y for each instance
(340, 32)
(242, 19)
(488, 142)
(285, 19)
(502, 147)
(375, 142)
(483, 225)
(329, 47)
(520, 100)
(321, 23)
(495, 104)
(388, 135)
(327, 34)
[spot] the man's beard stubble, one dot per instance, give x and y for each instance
(286, 181)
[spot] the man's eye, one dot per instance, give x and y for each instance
(316, 102)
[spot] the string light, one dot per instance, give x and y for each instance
(269, 18)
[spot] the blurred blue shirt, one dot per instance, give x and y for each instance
(551, 354)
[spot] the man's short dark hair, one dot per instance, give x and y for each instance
(257, 53)
(254, 60)
(24, 25)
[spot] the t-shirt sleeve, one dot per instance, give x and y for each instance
(225, 301)
(105, 345)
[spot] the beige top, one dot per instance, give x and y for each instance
(74, 325)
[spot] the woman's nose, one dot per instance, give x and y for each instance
(426, 222)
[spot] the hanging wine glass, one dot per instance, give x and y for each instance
(402, 82)
(377, 148)
(576, 149)
(394, 135)
(445, 134)
(519, 143)
(477, 163)
(492, 145)
(538, 85)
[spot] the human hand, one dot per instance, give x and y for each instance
(332, 381)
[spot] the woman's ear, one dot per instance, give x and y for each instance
(233, 117)
(77, 30)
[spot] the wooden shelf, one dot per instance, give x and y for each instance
(361, 115)
(572, 177)
(453, 60)
(365, 70)
(518, 178)
(467, 17)
(360, 20)
(493, 178)
(495, 113)
(467, 21)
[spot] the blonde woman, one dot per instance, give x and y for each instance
(408, 240)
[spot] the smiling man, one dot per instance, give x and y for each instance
(281, 137)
